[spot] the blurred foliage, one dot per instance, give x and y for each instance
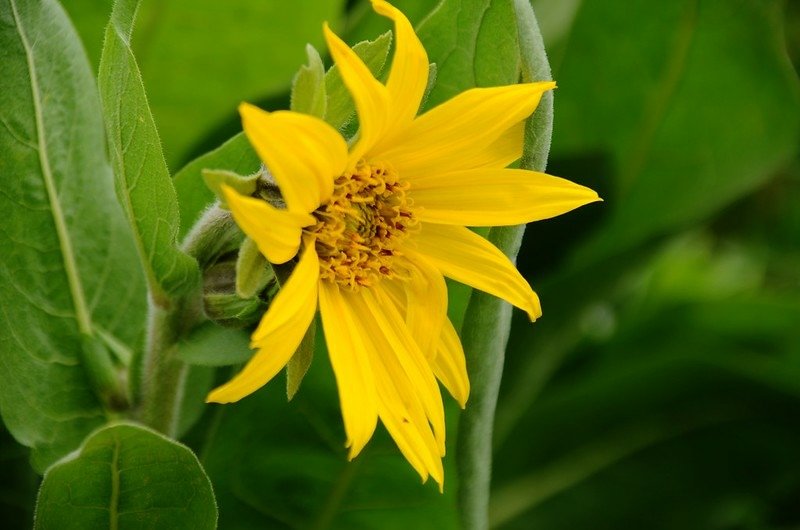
(661, 389)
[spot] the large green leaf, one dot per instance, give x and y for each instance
(68, 265)
(127, 477)
(143, 182)
(473, 43)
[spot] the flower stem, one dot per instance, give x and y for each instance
(164, 374)
(487, 321)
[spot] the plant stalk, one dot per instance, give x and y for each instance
(487, 322)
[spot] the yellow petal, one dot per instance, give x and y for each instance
(370, 96)
(347, 349)
(303, 153)
(276, 232)
(395, 342)
(450, 366)
(401, 387)
(426, 309)
(495, 197)
(409, 74)
(468, 258)
(279, 333)
(457, 134)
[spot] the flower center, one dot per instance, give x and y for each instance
(359, 231)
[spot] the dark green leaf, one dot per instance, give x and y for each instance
(69, 264)
(127, 477)
(143, 182)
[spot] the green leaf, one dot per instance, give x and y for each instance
(465, 39)
(143, 182)
(128, 477)
(308, 88)
(69, 264)
(341, 108)
(214, 345)
(194, 196)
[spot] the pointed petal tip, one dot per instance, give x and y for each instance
(248, 109)
(221, 396)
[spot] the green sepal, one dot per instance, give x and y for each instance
(253, 271)
(229, 310)
(215, 178)
(340, 106)
(308, 87)
(298, 365)
(433, 71)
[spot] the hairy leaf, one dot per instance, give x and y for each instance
(143, 181)
(68, 265)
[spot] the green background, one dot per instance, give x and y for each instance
(661, 388)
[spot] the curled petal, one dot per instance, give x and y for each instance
(277, 233)
(303, 153)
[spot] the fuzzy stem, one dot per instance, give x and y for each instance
(163, 372)
(487, 321)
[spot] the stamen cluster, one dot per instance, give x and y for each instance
(359, 231)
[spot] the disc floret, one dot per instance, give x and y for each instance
(359, 232)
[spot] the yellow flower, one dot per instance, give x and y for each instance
(377, 226)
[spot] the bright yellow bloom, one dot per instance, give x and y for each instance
(377, 226)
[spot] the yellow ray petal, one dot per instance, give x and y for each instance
(468, 258)
(426, 310)
(303, 153)
(409, 74)
(417, 444)
(400, 394)
(351, 365)
(395, 341)
(496, 197)
(456, 134)
(450, 366)
(279, 333)
(276, 232)
(370, 96)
